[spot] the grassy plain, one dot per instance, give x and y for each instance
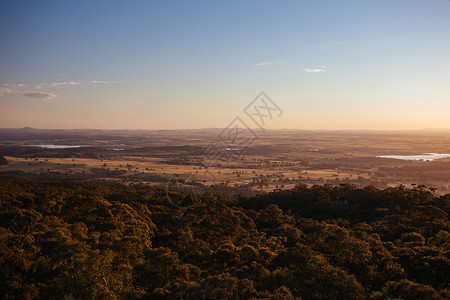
(273, 159)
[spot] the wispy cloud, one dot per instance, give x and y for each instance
(102, 82)
(12, 85)
(40, 96)
(9, 88)
(23, 89)
(315, 70)
(5, 90)
(58, 84)
(268, 63)
(20, 88)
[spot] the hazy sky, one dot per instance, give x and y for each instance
(381, 64)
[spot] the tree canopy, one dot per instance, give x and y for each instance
(98, 240)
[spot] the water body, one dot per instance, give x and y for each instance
(51, 146)
(423, 157)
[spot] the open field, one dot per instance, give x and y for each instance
(274, 159)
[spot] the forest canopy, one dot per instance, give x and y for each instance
(81, 239)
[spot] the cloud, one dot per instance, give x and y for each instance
(102, 82)
(9, 88)
(20, 88)
(267, 63)
(58, 84)
(40, 96)
(317, 70)
(11, 85)
(5, 90)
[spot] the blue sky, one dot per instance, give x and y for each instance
(197, 64)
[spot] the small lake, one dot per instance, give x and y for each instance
(423, 157)
(51, 146)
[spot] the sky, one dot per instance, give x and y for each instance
(326, 64)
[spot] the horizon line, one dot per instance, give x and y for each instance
(222, 128)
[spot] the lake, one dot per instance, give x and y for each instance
(424, 157)
(51, 146)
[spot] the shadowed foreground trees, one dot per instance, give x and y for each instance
(3, 160)
(97, 240)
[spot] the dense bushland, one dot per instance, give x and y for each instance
(97, 240)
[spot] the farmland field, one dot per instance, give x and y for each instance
(275, 159)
